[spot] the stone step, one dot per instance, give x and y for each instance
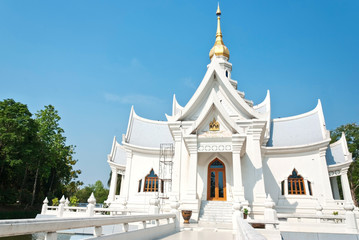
(216, 212)
(214, 217)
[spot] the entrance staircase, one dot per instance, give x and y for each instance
(216, 211)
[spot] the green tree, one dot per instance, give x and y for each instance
(55, 202)
(98, 189)
(55, 165)
(18, 144)
(35, 160)
(351, 131)
(74, 201)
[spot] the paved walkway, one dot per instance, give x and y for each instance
(203, 231)
(207, 234)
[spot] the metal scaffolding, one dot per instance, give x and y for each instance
(165, 169)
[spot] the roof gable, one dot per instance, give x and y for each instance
(215, 78)
(213, 109)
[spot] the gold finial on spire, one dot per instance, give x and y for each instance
(218, 11)
(219, 49)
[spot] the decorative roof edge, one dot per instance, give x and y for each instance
(302, 115)
(295, 149)
(265, 102)
(175, 106)
(317, 110)
(339, 166)
(141, 149)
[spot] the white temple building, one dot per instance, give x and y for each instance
(222, 149)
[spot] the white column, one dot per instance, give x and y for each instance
(126, 185)
(335, 188)
(345, 185)
(327, 190)
(237, 144)
(113, 186)
(123, 181)
(192, 173)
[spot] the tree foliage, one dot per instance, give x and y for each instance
(351, 131)
(98, 189)
(35, 160)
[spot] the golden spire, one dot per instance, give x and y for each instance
(219, 48)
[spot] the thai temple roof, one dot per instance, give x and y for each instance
(307, 128)
(118, 154)
(338, 152)
(147, 133)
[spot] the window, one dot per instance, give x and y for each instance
(152, 182)
(296, 184)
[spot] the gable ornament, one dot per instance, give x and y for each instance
(214, 125)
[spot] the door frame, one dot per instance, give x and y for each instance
(216, 182)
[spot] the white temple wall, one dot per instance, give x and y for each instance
(202, 182)
(141, 167)
(277, 168)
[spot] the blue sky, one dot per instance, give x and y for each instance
(92, 60)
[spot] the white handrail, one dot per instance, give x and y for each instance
(246, 231)
(29, 226)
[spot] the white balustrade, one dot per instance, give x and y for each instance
(246, 231)
(50, 226)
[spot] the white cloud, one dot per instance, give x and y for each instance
(133, 99)
(188, 82)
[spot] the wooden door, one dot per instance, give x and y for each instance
(216, 181)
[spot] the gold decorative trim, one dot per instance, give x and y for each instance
(214, 125)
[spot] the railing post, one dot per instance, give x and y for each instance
(44, 206)
(91, 206)
(350, 219)
(51, 236)
(154, 209)
(60, 212)
(125, 227)
(270, 214)
(174, 209)
(97, 231)
(144, 224)
(319, 210)
(67, 203)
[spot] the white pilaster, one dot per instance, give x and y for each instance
(237, 148)
(176, 168)
(257, 131)
(191, 141)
